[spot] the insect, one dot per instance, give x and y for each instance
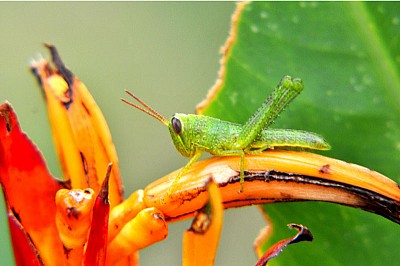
(193, 135)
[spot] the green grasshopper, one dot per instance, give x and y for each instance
(193, 135)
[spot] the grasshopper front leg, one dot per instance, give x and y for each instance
(184, 170)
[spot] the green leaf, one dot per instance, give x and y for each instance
(348, 56)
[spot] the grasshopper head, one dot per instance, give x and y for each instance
(180, 134)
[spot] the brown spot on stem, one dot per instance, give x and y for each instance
(67, 251)
(73, 212)
(325, 169)
(86, 109)
(84, 163)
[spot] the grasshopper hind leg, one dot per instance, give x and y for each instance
(240, 153)
(249, 151)
(241, 173)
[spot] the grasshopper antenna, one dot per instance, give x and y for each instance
(147, 109)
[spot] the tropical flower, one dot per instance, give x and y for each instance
(83, 219)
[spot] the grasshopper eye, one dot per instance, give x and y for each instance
(176, 125)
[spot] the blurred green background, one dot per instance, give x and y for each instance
(167, 53)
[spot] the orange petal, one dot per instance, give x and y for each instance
(148, 227)
(200, 242)
(29, 188)
(80, 132)
(74, 215)
(278, 176)
(73, 219)
(124, 212)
